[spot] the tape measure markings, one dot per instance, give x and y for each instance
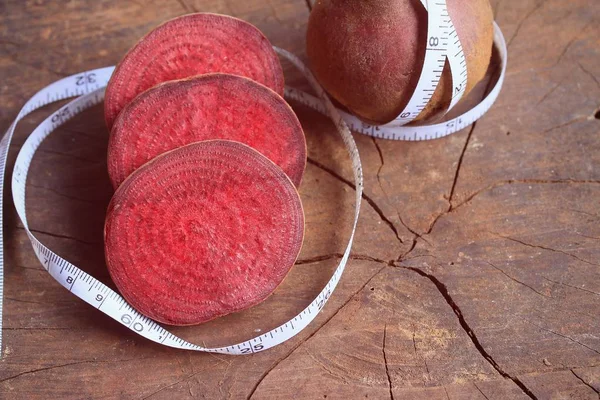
(415, 133)
(433, 64)
(442, 38)
(458, 67)
(102, 297)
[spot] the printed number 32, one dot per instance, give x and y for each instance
(86, 78)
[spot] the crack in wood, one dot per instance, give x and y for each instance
(414, 342)
(188, 8)
(66, 196)
(570, 43)
(458, 167)
(497, 9)
(325, 368)
(402, 256)
(531, 181)
(33, 371)
(480, 391)
(371, 202)
(585, 383)
(285, 357)
(317, 259)
(27, 328)
(516, 280)
(549, 93)
(589, 214)
(190, 389)
(520, 24)
(73, 157)
(589, 73)
(58, 236)
(381, 160)
(171, 385)
(11, 42)
(387, 370)
(561, 335)
(570, 122)
(326, 257)
(571, 286)
(587, 236)
(101, 139)
(32, 328)
(528, 181)
(222, 380)
(535, 246)
(38, 268)
(455, 180)
(564, 368)
(37, 302)
(378, 175)
(273, 10)
(419, 256)
(469, 331)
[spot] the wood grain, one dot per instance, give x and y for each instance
(476, 267)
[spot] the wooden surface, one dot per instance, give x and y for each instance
(476, 266)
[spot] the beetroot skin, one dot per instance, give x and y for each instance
(202, 231)
(191, 45)
(212, 106)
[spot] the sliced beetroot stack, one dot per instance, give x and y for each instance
(202, 231)
(213, 106)
(192, 45)
(200, 226)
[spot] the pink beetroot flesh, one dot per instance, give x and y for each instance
(202, 231)
(213, 106)
(192, 45)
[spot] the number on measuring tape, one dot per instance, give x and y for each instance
(395, 131)
(62, 113)
(85, 79)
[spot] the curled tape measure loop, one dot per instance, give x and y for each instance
(89, 86)
(394, 131)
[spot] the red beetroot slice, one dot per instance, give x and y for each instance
(191, 45)
(202, 231)
(213, 106)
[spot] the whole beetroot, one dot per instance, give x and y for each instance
(368, 54)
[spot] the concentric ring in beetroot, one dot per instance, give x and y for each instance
(202, 231)
(212, 106)
(191, 45)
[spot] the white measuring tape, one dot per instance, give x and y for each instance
(89, 86)
(442, 43)
(395, 129)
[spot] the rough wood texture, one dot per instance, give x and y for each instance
(475, 272)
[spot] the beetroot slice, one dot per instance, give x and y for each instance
(202, 231)
(213, 106)
(191, 45)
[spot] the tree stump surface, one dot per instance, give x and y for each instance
(475, 271)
